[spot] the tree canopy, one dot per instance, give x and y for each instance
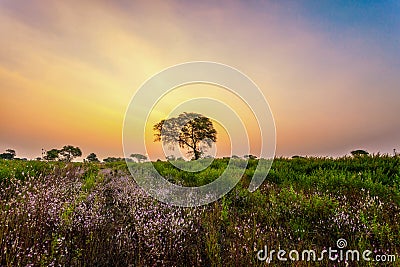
(359, 152)
(67, 153)
(116, 159)
(52, 154)
(9, 154)
(92, 157)
(189, 130)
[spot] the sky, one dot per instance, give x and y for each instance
(328, 69)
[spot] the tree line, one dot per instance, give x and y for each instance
(68, 153)
(192, 131)
(189, 130)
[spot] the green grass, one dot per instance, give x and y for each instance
(97, 214)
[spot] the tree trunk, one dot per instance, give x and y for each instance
(196, 154)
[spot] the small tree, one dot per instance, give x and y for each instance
(113, 159)
(12, 152)
(9, 154)
(52, 154)
(359, 153)
(92, 157)
(139, 157)
(189, 130)
(69, 152)
(298, 157)
(250, 157)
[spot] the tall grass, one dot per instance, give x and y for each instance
(54, 214)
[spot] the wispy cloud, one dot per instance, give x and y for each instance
(68, 69)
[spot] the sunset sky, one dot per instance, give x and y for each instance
(330, 70)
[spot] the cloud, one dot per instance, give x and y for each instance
(68, 69)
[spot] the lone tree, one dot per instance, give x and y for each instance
(92, 157)
(359, 153)
(250, 156)
(70, 152)
(189, 130)
(9, 154)
(113, 159)
(52, 154)
(139, 157)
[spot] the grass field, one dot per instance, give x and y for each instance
(94, 214)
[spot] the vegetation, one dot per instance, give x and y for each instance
(9, 154)
(67, 153)
(92, 157)
(52, 154)
(139, 157)
(359, 152)
(93, 214)
(250, 157)
(189, 130)
(116, 159)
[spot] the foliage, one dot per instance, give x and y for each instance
(68, 153)
(52, 154)
(116, 159)
(189, 130)
(359, 152)
(139, 157)
(92, 157)
(94, 214)
(249, 157)
(9, 154)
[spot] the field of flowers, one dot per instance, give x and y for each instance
(94, 214)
